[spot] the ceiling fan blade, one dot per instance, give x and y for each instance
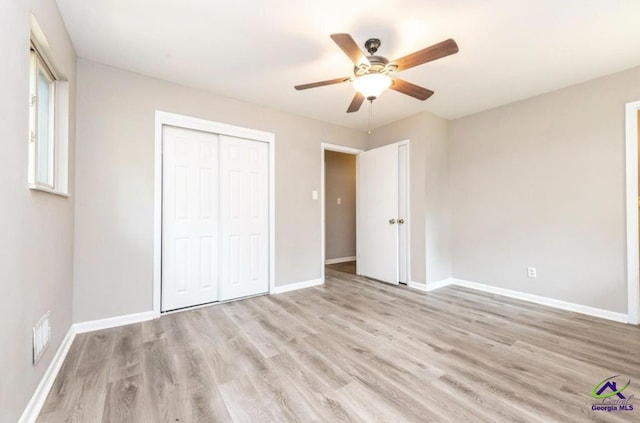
(410, 89)
(321, 83)
(351, 49)
(436, 51)
(357, 101)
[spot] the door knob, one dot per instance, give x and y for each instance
(392, 221)
(401, 221)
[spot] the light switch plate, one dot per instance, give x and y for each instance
(314, 195)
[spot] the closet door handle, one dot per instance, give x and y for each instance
(392, 221)
(401, 221)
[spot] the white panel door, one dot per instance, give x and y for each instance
(189, 218)
(378, 213)
(244, 217)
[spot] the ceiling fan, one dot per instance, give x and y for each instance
(371, 74)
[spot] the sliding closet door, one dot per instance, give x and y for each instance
(244, 217)
(189, 218)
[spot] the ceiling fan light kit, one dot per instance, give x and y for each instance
(371, 85)
(371, 74)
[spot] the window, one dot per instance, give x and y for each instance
(48, 139)
(42, 143)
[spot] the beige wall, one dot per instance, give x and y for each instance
(340, 219)
(114, 210)
(429, 191)
(37, 228)
(542, 183)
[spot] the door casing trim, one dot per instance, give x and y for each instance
(633, 261)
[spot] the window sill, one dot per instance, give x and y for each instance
(35, 187)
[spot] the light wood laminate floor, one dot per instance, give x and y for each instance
(351, 350)
(348, 267)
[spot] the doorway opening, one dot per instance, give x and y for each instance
(340, 211)
(377, 181)
(339, 187)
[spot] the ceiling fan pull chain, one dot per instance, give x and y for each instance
(370, 113)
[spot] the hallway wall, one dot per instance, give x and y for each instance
(340, 219)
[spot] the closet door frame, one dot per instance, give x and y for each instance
(171, 119)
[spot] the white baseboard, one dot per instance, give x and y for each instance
(551, 302)
(113, 322)
(38, 398)
(297, 285)
(339, 260)
(417, 285)
(439, 284)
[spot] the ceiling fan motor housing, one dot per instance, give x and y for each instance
(378, 64)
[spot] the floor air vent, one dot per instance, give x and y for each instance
(41, 337)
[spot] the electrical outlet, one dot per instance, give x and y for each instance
(339, 201)
(531, 272)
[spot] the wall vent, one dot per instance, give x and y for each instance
(41, 337)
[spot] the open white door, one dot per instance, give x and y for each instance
(189, 218)
(378, 214)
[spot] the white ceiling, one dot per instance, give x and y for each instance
(257, 50)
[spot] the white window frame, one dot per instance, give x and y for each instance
(37, 66)
(42, 58)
